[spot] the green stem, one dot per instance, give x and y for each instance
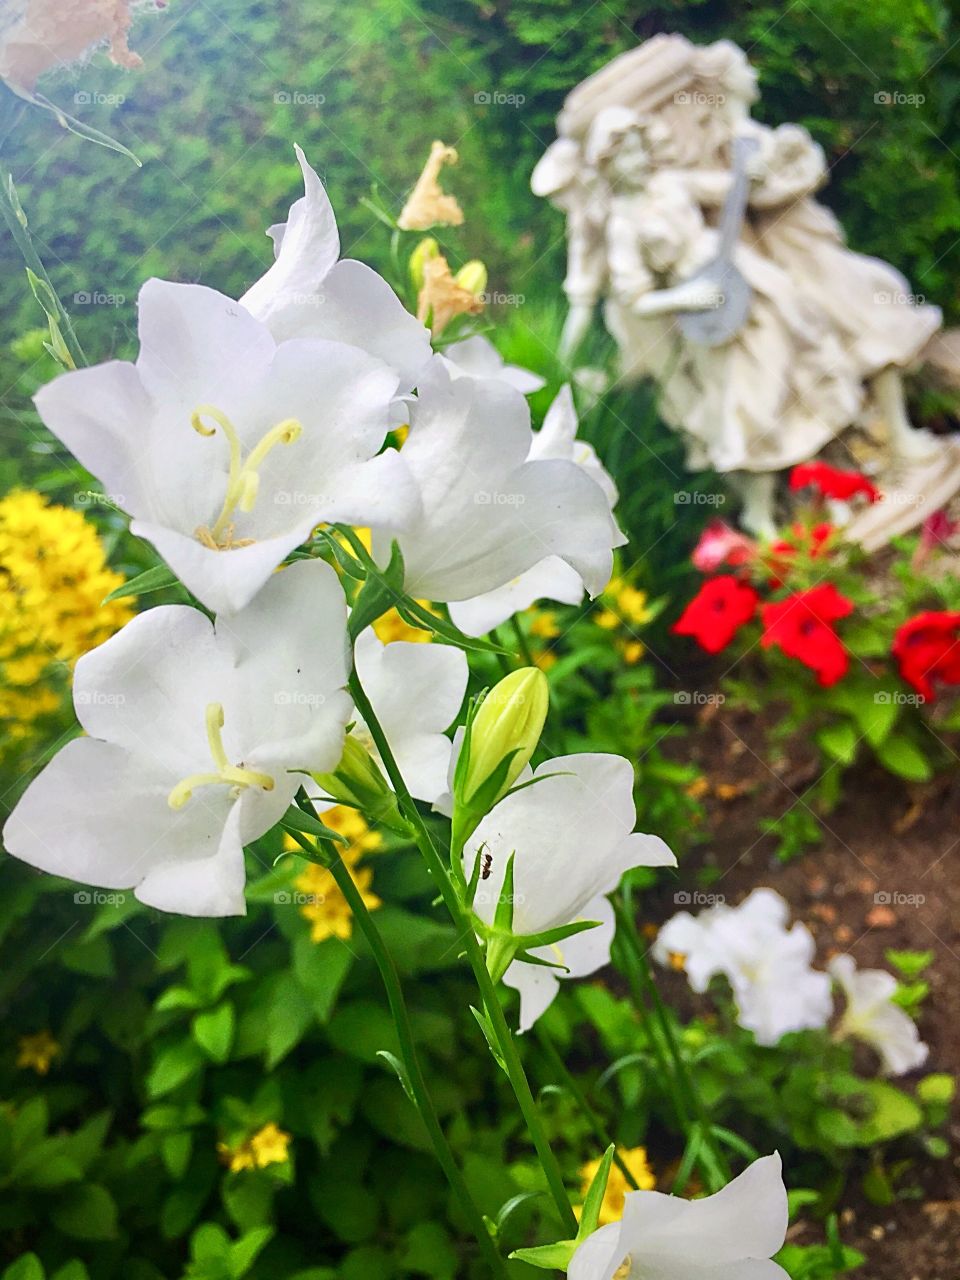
(474, 952)
(16, 222)
(408, 1052)
(522, 641)
(601, 1136)
(714, 1162)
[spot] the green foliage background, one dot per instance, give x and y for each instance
(178, 1035)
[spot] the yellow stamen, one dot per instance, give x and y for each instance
(243, 478)
(233, 775)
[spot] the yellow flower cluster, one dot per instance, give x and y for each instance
(55, 576)
(617, 1185)
(37, 1052)
(624, 608)
(268, 1145)
(326, 908)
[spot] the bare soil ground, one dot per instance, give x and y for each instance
(885, 876)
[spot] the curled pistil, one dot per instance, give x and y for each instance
(232, 775)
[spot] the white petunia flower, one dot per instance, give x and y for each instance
(195, 730)
(872, 1016)
(581, 954)
(573, 837)
(477, 357)
(226, 447)
(551, 578)
(728, 1236)
(310, 292)
(767, 964)
(416, 691)
(488, 510)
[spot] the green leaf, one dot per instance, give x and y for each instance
(87, 1212)
(937, 1089)
(213, 1031)
(401, 1070)
(289, 1018)
(28, 1267)
(900, 756)
(321, 969)
(244, 1253)
(590, 1214)
(549, 1257)
(839, 741)
(174, 1065)
(155, 579)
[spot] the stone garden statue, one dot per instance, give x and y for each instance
(724, 280)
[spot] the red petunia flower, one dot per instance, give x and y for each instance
(717, 612)
(800, 627)
(720, 545)
(927, 648)
(831, 482)
(811, 540)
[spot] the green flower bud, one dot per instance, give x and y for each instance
(427, 248)
(502, 737)
(472, 276)
(357, 781)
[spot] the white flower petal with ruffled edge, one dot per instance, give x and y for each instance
(307, 293)
(557, 438)
(551, 579)
(487, 514)
(100, 811)
(872, 1016)
(477, 357)
(416, 691)
(572, 832)
(202, 353)
(581, 954)
(731, 1235)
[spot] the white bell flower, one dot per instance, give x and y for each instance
(416, 691)
(310, 292)
(228, 448)
(477, 357)
(872, 1016)
(490, 511)
(572, 834)
(767, 964)
(731, 1235)
(197, 732)
(551, 578)
(580, 954)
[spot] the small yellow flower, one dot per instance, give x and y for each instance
(429, 205)
(269, 1145)
(55, 576)
(37, 1052)
(632, 651)
(545, 659)
(324, 905)
(390, 626)
(545, 626)
(617, 1185)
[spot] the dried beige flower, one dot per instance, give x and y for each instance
(428, 205)
(39, 35)
(442, 296)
